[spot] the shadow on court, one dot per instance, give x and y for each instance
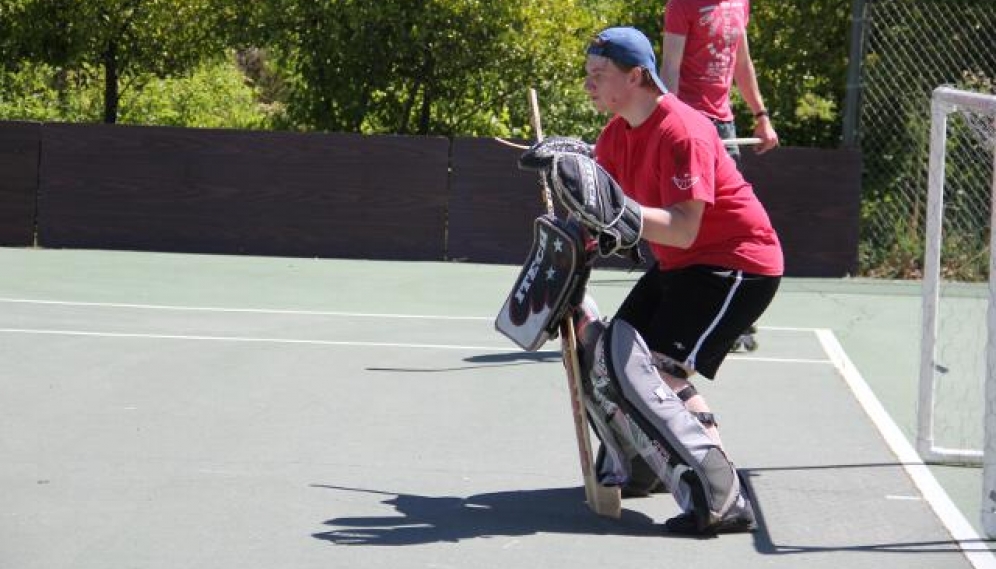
(432, 519)
(439, 519)
(486, 360)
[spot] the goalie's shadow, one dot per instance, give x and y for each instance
(432, 519)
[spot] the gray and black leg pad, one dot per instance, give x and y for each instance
(635, 413)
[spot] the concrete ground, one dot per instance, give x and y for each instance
(204, 411)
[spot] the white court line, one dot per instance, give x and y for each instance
(787, 329)
(777, 360)
(291, 312)
(243, 339)
(237, 310)
(308, 313)
(952, 518)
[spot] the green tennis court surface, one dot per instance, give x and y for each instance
(209, 411)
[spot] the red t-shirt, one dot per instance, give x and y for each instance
(713, 30)
(676, 155)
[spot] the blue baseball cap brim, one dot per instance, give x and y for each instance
(627, 46)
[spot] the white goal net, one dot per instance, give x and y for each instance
(956, 412)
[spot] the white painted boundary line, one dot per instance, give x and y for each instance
(314, 342)
(303, 341)
(959, 528)
(236, 310)
(247, 340)
(243, 339)
(742, 358)
(288, 312)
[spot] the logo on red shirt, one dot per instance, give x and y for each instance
(685, 181)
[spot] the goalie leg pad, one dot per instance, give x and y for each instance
(634, 411)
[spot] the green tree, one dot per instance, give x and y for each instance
(449, 67)
(800, 50)
(429, 67)
(214, 94)
(124, 39)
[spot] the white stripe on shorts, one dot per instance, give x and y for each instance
(690, 361)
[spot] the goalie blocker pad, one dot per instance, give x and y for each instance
(635, 413)
(554, 273)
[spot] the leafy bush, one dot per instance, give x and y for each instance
(215, 94)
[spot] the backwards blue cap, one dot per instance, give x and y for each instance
(627, 46)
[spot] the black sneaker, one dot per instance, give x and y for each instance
(683, 524)
(739, 519)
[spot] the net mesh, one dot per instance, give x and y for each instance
(983, 127)
(912, 46)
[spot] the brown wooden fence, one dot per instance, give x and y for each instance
(213, 191)
(813, 197)
(20, 145)
(347, 196)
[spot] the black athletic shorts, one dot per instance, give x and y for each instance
(695, 314)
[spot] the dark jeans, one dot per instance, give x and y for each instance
(728, 130)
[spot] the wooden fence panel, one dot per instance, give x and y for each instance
(492, 203)
(349, 196)
(19, 148)
(813, 197)
(237, 192)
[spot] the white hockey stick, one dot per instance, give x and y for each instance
(727, 142)
(742, 141)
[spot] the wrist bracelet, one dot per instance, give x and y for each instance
(761, 113)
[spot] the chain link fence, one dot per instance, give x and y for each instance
(910, 48)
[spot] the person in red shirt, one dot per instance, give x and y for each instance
(718, 260)
(705, 51)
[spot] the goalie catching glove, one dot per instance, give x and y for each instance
(589, 192)
(540, 154)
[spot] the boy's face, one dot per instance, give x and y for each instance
(607, 86)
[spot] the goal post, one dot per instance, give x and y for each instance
(944, 102)
(956, 405)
